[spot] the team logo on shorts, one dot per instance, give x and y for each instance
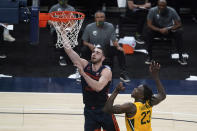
(94, 33)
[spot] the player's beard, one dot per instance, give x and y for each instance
(164, 12)
(96, 61)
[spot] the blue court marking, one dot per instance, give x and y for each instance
(66, 85)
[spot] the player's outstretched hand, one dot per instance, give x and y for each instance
(154, 69)
(120, 87)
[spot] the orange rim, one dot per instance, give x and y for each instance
(52, 18)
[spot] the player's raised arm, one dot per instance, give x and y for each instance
(128, 108)
(154, 70)
(75, 58)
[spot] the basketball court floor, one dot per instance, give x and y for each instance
(55, 104)
(58, 112)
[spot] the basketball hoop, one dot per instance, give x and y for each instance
(67, 25)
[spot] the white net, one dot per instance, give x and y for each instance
(67, 25)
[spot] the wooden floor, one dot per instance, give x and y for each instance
(64, 112)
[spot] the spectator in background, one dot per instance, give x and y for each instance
(103, 33)
(138, 10)
(62, 5)
(163, 20)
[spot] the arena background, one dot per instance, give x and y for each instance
(34, 88)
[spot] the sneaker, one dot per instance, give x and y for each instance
(76, 76)
(62, 62)
(2, 56)
(139, 41)
(148, 61)
(124, 77)
(182, 61)
(8, 38)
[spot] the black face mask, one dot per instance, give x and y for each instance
(100, 23)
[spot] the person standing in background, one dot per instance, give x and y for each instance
(62, 5)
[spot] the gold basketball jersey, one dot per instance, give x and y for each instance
(142, 119)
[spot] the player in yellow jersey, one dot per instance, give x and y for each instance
(138, 114)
